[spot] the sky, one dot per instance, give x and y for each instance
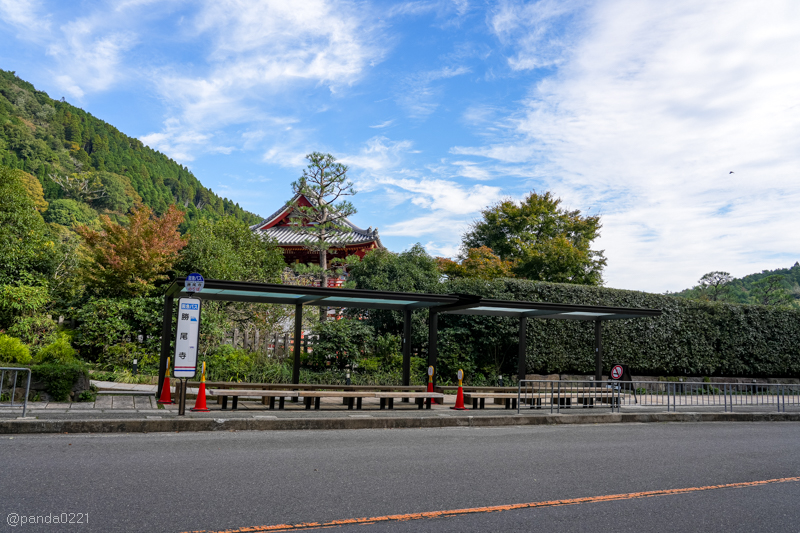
(677, 122)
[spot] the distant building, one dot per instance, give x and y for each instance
(279, 226)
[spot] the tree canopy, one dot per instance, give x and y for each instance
(28, 251)
(128, 261)
(480, 263)
(227, 249)
(544, 241)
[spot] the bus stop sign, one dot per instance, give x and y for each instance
(186, 337)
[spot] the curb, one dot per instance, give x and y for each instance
(15, 427)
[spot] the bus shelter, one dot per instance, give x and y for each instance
(405, 302)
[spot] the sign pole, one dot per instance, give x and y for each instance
(187, 336)
(182, 404)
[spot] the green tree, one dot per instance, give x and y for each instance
(34, 189)
(227, 249)
(324, 183)
(117, 196)
(480, 263)
(28, 252)
(69, 213)
(715, 285)
(128, 261)
(410, 271)
(770, 291)
(544, 241)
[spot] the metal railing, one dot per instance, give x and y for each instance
(14, 380)
(670, 395)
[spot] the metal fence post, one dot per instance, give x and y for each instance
(519, 394)
(674, 399)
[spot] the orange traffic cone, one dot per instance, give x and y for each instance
(460, 396)
(200, 403)
(166, 396)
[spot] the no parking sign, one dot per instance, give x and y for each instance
(620, 372)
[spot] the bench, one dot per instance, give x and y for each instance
(271, 394)
(479, 398)
(348, 396)
(422, 398)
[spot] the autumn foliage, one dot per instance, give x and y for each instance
(481, 263)
(128, 261)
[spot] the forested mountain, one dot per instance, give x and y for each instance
(744, 290)
(90, 165)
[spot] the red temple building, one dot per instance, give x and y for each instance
(279, 226)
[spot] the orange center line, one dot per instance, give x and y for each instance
(496, 508)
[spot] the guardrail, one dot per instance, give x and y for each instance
(3, 371)
(538, 394)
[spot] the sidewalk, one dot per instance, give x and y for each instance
(118, 412)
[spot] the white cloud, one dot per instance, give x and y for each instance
(420, 96)
(384, 124)
(535, 30)
(650, 110)
(176, 141)
(26, 16)
(89, 58)
(261, 49)
(378, 154)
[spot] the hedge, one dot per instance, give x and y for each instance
(691, 337)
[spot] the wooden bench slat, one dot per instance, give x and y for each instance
(409, 395)
(337, 394)
(267, 393)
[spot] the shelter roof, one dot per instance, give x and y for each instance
(466, 304)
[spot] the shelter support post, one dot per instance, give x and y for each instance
(298, 332)
(433, 341)
(523, 345)
(166, 342)
(406, 346)
(598, 350)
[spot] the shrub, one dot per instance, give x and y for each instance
(105, 322)
(341, 342)
(229, 364)
(58, 378)
(120, 357)
(87, 396)
(60, 351)
(35, 331)
(387, 350)
(12, 350)
(21, 300)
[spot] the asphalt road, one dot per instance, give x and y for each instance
(216, 481)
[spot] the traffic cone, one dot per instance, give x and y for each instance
(200, 402)
(460, 395)
(166, 396)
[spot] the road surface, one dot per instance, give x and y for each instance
(251, 480)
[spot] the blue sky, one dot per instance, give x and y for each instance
(635, 110)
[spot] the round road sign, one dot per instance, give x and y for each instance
(460, 374)
(616, 372)
(430, 370)
(194, 282)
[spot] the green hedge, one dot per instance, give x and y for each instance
(59, 378)
(691, 337)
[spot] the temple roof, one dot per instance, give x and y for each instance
(274, 226)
